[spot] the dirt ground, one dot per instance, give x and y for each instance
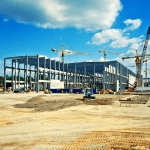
(66, 121)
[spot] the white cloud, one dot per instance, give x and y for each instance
(90, 61)
(116, 37)
(125, 41)
(5, 20)
(8, 62)
(85, 14)
(135, 46)
(1, 62)
(106, 35)
(56, 58)
(68, 52)
(88, 42)
(132, 24)
(102, 59)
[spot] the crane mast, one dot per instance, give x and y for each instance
(140, 62)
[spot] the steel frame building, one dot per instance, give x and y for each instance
(98, 75)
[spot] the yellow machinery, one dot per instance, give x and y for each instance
(64, 51)
(107, 52)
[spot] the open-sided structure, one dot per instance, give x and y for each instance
(97, 75)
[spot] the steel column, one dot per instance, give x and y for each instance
(27, 73)
(84, 72)
(18, 76)
(94, 74)
(44, 84)
(4, 73)
(30, 77)
(37, 73)
(24, 77)
(75, 75)
(15, 72)
(67, 77)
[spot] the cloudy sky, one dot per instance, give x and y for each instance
(37, 26)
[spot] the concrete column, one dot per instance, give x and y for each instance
(73, 78)
(70, 77)
(18, 76)
(12, 77)
(116, 77)
(75, 75)
(44, 86)
(37, 73)
(67, 76)
(127, 77)
(94, 75)
(4, 73)
(63, 71)
(82, 79)
(27, 73)
(24, 77)
(120, 76)
(84, 72)
(35, 76)
(104, 75)
(79, 78)
(49, 77)
(30, 78)
(55, 71)
(59, 72)
(15, 72)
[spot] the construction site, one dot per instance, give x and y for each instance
(72, 106)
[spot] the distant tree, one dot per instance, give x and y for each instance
(8, 77)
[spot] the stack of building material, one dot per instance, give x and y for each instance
(1, 89)
(46, 91)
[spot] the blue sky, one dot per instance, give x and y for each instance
(31, 27)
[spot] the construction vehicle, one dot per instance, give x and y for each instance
(140, 59)
(88, 94)
(67, 51)
(107, 52)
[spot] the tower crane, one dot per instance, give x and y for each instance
(146, 70)
(139, 59)
(64, 51)
(107, 52)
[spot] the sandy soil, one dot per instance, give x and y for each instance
(82, 126)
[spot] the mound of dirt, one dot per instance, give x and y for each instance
(36, 99)
(141, 99)
(105, 101)
(41, 105)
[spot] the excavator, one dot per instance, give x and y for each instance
(88, 94)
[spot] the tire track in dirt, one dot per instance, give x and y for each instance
(110, 140)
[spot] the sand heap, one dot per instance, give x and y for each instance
(41, 105)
